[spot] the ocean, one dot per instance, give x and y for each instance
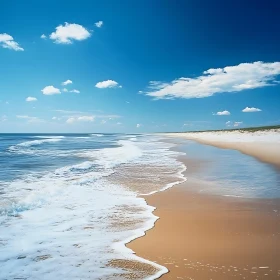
(69, 203)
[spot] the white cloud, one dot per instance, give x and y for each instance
(80, 119)
(43, 36)
(67, 82)
(103, 122)
(50, 90)
(228, 79)
(107, 84)
(138, 125)
(251, 110)
(99, 23)
(228, 123)
(29, 119)
(119, 123)
(64, 89)
(54, 118)
(7, 42)
(75, 91)
(222, 113)
(237, 124)
(30, 99)
(69, 32)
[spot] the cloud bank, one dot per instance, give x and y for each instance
(212, 81)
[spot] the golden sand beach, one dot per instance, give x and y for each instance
(204, 236)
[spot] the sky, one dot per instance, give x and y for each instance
(138, 66)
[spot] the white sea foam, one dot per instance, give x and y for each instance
(97, 135)
(35, 143)
(26, 147)
(50, 136)
(60, 224)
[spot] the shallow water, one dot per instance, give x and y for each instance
(231, 173)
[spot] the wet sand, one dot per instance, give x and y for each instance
(201, 236)
(210, 237)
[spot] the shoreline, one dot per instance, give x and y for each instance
(266, 150)
(212, 237)
(186, 238)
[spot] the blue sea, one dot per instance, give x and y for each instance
(70, 202)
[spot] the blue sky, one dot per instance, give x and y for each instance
(138, 66)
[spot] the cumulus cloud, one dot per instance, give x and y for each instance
(43, 36)
(30, 99)
(236, 124)
(67, 82)
(222, 113)
(119, 123)
(251, 110)
(50, 90)
(107, 84)
(80, 119)
(64, 89)
(99, 23)
(228, 79)
(138, 125)
(67, 33)
(7, 42)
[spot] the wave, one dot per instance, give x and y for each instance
(97, 135)
(38, 142)
(22, 148)
(77, 217)
(50, 136)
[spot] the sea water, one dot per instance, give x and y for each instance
(230, 173)
(69, 202)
